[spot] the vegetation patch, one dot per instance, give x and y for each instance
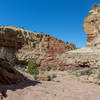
(33, 68)
(48, 68)
(86, 72)
(98, 76)
(54, 68)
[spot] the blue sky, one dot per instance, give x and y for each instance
(60, 18)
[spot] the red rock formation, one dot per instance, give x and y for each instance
(92, 25)
(88, 56)
(21, 44)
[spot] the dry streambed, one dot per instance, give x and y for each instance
(63, 87)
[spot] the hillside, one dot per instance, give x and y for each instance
(18, 44)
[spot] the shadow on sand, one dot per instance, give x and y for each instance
(13, 87)
(9, 75)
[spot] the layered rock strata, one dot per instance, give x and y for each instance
(92, 27)
(18, 44)
(88, 56)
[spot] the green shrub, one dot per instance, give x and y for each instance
(48, 68)
(98, 76)
(99, 83)
(77, 73)
(32, 67)
(54, 76)
(86, 72)
(54, 68)
(43, 69)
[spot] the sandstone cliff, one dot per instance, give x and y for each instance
(89, 56)
(18, 44)
(9, 75)
(92, 27)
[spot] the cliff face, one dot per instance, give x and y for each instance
(18, 44)
(11, 39)
(92, 27)
(88, 56)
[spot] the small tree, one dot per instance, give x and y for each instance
(32, 68)
(48, 68)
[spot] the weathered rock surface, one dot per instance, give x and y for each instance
(92, 27)
(8, 75)
(88, 56)
(80, 59)
(18, 44)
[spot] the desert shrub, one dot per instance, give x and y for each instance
(77, 73)
(54, 76)
(49, 78)
(48, 68)
(86, 72)
(43, 69)
(54, 68)
(32, 67)
(98, 76)
(99, 83)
